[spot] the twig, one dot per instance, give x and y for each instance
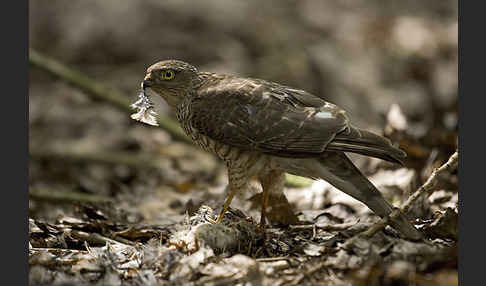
(96, 238)
(98, 90)
(325, 227)
(120, 239)
(272, 259)
(431, 182)
(65, 196)
(105, 157)
(381, 224)
(426, 188)
(57, 250)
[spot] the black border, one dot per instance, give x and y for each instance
(470, 218)
(14, 138)
(461, 222)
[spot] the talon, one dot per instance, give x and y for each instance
(261, 227)
(218, 220)
(212, 221)
(223, 211)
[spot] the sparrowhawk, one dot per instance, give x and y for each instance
(263, 130)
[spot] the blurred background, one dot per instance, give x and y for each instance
(392, 65)
(364, 56)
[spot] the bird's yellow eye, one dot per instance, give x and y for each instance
(168, 74)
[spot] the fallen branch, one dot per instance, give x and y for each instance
(272, 259)
(65, 196)
(325, 227)
(98, 90)
(431, 182)
(105, 157)
(427, 188)
(58, 251)
(96, 238)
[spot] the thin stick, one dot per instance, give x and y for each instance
(57, 250)
(98, 90)
(65, 196)
(105, 157)
(427, 188)
(272, 259)
(325, 227)
(431, 182)
(96, 238)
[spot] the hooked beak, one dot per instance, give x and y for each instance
(147, 81)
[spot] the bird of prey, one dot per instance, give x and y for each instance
(263, 130)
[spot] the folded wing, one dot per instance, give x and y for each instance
(257, 115)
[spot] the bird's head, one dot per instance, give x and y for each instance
(171, 79)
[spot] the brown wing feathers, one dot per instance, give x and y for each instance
(281, 121)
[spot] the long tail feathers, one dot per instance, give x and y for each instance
(339, 170)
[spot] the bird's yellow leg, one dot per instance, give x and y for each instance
(225, 208)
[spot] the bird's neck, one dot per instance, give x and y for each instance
(205, 78)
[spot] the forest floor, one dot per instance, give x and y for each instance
(113, 201)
